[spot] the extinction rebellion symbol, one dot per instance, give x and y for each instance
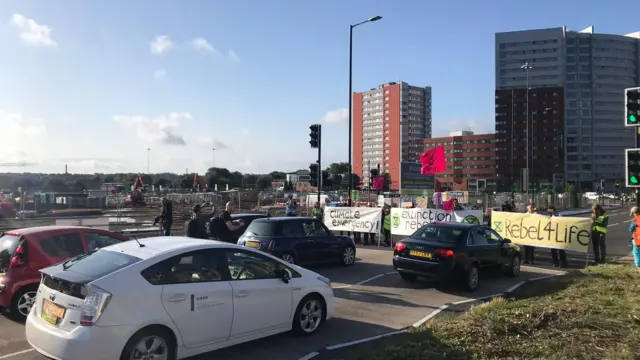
(470, 219)
(395, 220)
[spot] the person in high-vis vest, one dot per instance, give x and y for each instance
(386, 225)
(316, 212)
(635, 240)
(599, 221)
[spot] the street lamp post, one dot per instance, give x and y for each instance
(149, 161)
(513, 178)
(533, 146)
(213, 157)
(351, 27)
(526, 67)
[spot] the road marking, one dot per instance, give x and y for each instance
(391, 273)
(477, 299)
(511, 289)
(431, 315)
(370, 279)
(341, 287)
(614, 224)
(310, 356)
(15, 354)
(356, 342)
(546, 277)
(627, 221)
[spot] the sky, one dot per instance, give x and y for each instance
(95, 84)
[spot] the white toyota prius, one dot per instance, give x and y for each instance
(171, 298)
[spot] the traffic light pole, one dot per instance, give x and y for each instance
(319, 161)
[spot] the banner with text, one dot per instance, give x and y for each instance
(357, 219)
(408, 221)
(567, 233)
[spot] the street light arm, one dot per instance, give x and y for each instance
(375, 18)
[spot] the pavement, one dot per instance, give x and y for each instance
(371, 301)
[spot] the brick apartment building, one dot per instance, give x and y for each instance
(546, 133)
(387, 121)
(471, 161)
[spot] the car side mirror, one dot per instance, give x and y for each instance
(285, 275)
(506, 241)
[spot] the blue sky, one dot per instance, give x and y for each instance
(94, 84)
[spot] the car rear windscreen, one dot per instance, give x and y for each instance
(260, 228)
(8, 246)
(438, 233)
(100, 263)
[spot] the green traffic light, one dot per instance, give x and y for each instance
(633, 119)
(633, 179)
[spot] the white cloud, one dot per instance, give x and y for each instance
(211, 142)
(233, 56)
(201, 44)
(31, 32)
(336, 116)
(88, 165)
(160, 129)
(477, 126)
(160, 73)
(161, 44)
(20, 127)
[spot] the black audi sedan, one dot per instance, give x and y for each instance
(456, 252)
(299, 240)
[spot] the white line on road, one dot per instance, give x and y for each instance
(356, 342)
(370, 279)
(614, 224)
(341, 286)
(515, 286)
(627, 221)
(310, 356)
(15, 354)
(477, 299)
(546, 277)
(431, 315)
(391, 273)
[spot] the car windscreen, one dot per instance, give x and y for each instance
(438, 233)
(8, 246)
(100, 263)
(260, 228)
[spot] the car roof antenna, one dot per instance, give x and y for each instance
(136, 239)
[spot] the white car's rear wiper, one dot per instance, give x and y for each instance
(67, 264)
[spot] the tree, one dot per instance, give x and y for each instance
(186, 182)
(338, 168)
(79, 185)
(263, 182)
(163, 182)
(277, 175)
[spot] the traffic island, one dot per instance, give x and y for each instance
(593, 313)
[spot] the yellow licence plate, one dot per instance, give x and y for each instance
(421, 254)
(253, 244)
(52, 312)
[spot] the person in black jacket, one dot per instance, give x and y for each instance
(195, 226)
(166, 217)
(559, 256)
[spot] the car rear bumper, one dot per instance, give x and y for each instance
(426, 269)
(82, 343)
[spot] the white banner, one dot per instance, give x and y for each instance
(408, 221)
(357, 219)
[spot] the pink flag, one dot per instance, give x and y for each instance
(378, 183)
(448, 206)
(433, 161)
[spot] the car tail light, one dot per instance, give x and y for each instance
(446, 253)
(272, 245)
(399, 247)
(95, 302)
(19, 258)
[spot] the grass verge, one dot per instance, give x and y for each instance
(587, 314)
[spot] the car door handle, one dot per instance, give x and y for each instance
(177, 298)
(242, 294)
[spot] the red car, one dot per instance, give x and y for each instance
(23, 252)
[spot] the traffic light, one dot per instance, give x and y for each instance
(632, 111)
(325, 180)
(617, 184)
(633, 167)
(313, 173)
(315, 136)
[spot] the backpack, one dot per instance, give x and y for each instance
(216, 228)
(192, 228)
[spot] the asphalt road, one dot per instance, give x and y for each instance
(371, 300)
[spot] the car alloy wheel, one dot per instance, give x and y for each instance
(348, 255)
(288, 258)
(472, 278)
(515, 266)
(25, 302)
(150, 348)
(311, 316)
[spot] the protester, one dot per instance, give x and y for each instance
(529, 250)
(370, 238)
(599, 221)
(559, 256)
(634, 228)
(487, 216)
(195, 227)
(317, 212)
(386, 228)
(165, 218)
(291, 206)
